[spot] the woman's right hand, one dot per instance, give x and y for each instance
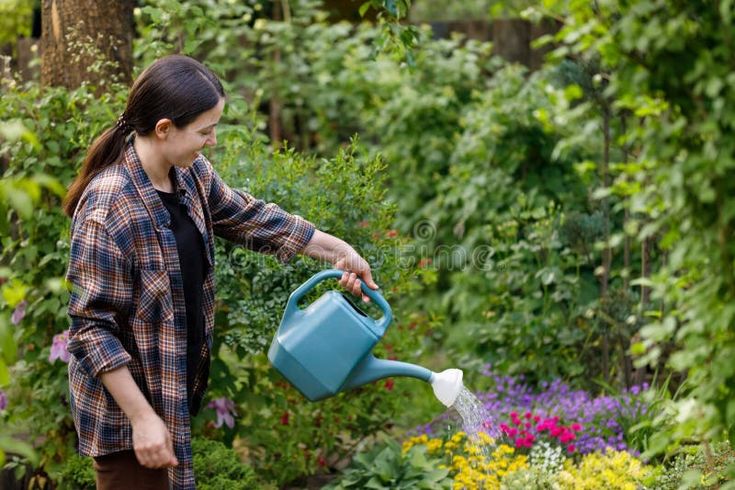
(152, 442)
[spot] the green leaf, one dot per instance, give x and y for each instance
(4, 374)
(18, 447)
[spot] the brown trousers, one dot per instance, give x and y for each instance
(121, 471)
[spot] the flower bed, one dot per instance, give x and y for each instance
(575, 419)
(483, 463)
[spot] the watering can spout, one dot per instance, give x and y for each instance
(372, 369)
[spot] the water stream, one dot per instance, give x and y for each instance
(475, 419)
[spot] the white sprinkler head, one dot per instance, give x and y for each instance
(447, 385)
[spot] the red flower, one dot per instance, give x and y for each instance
(321, 461)
(391, 233)
(424, 262)
(363, 224)
(571, 448)
(389, 384)
(284, 418)
(528, 415)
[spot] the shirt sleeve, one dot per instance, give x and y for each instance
(263, 227)
(102, 288)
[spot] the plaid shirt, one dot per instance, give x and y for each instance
(127, 303)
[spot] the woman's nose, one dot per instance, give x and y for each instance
(212, 139)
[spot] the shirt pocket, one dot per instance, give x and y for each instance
(155, 304)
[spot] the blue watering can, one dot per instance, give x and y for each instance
(327, 347)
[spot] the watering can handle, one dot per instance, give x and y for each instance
(373, 294)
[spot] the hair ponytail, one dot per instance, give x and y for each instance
(105, 151)
(174, 87)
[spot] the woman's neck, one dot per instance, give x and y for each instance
(154, 165)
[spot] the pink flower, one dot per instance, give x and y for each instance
(512, 432)
(528, 415)
(571, 448)
(19, 312)
(576, 427)
(566, 437)
(514, 415)
(58, 347)
(225, 409)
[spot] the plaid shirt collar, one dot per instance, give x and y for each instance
(153, 203)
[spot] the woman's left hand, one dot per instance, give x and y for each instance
(355, 268)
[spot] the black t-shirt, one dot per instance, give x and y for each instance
(193, 262)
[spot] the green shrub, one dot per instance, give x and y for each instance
(77, 474)
(216, 466)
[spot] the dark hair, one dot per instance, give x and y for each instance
(175, 87)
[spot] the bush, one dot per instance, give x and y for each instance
(77, 474)
(216, 466)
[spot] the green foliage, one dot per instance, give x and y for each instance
(16, 20)
(693, 467)
(77, 474)
(34, 251)
(217, 466)
(662, 69)
(386, 467)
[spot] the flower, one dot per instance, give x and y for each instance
(389, 384)
(19, 312)
(225, 409)
(3, 400)
(58, 347)
(284, 418)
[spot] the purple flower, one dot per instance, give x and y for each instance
(58, 347)
(3, 400)
(225, 409)
(19, 312)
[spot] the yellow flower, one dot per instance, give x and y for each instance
(614, 470)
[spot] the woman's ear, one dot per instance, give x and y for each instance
(163, 127)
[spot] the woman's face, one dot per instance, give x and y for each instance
(182, 145)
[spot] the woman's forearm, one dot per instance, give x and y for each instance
(123, 388)
(324, 246)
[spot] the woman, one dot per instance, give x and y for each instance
(145, 209)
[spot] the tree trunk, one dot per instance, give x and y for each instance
(86, 41)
